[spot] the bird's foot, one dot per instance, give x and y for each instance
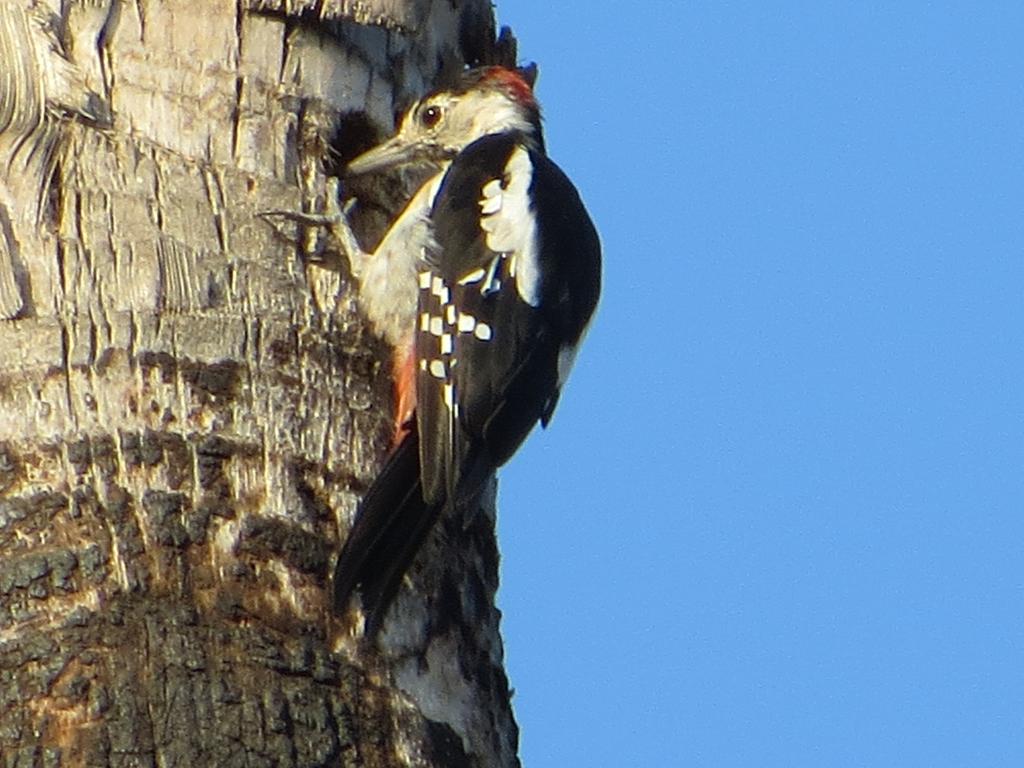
(341, 240)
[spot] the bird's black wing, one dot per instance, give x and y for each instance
(495, 301)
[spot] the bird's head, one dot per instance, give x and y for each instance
(436, 128)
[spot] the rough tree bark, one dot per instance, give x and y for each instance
(189, 409)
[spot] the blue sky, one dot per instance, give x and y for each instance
(777, 519)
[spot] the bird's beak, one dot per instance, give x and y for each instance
(393, 152)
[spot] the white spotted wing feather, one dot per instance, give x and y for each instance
(494, 320)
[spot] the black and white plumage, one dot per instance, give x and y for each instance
(508, 278)
(512, 283)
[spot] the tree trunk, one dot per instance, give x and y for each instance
(190, 409)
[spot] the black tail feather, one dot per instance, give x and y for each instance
(390, 527)
(412, 525)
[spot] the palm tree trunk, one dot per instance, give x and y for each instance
(189, 409)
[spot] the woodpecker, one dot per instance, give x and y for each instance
(490, 276)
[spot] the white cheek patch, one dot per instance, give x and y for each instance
(494, 113)
(509, 225)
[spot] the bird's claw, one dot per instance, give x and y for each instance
(334, 220)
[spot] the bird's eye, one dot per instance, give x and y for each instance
(431, 116)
